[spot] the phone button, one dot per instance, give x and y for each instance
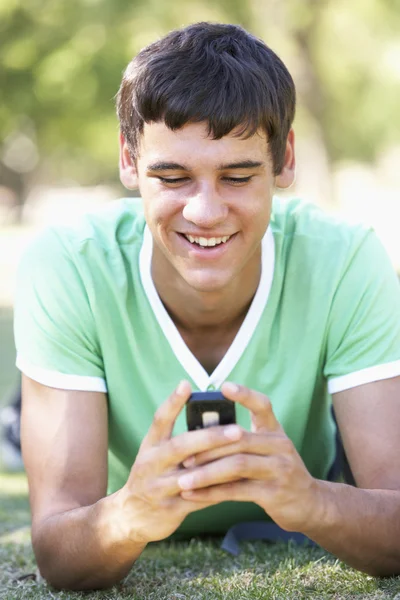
(210, 418)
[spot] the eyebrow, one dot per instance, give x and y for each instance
(243, 164)
(171, 166)
(167, 166)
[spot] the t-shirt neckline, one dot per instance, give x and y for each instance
(183, 354)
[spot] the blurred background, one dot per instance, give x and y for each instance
(60, 67)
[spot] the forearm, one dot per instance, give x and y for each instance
(87, 547)
(361, 527)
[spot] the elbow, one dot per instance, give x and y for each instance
(64, 581)
(49, 571)
(59, 576)
(383, 569)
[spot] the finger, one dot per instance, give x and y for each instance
(231, 468)
(186, 507)
(250, 443)
(166, 415)
(175, 451)
(161, 488)
(263, 418)
(237, 491)
(164, 493)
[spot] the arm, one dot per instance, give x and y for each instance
(362, 525)
(81, 539)
(64, 443)
(359, 525)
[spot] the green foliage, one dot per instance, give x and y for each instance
(62, 63)
(358, 62)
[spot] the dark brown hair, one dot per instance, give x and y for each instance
(216, 73)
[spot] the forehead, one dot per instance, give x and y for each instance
(192, 143)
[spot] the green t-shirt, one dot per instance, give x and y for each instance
(325, 317)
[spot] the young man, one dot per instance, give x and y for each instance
(207, 283)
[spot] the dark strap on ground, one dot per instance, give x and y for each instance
(260, 530)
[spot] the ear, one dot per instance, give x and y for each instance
(127, 167)
(287, 176)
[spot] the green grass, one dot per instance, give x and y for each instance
(195, 570)
(8, 371)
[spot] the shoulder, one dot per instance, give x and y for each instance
(295, 217)
(304, 232)
(102, 232)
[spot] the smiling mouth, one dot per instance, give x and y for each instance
(207, 242)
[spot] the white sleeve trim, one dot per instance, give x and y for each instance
(376, 373)
(61, 381)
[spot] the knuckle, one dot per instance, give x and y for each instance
(154, 491)
(263, 405)
(285, 468)
(213, 436)
(141, 468)
(240, 463)
(246, 441)
(175, 445)
(217, 434)
(160, 417)
(287, 446)
(267, 404)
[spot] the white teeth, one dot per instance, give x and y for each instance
(207, 241)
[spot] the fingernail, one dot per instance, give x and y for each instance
(186, 482)
(189, 462)
(231, 388)
(233, 432)
(181, 389)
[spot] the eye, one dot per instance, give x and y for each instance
(238, 180)
(172, 180)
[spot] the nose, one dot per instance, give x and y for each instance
(205, 209)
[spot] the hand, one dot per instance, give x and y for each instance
(262, 467)
(150, 501)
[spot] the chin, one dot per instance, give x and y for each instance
(206, 283)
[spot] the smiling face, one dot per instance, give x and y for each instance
(207, 202)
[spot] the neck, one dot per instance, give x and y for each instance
(193, 310)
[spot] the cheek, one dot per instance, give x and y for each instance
(256, 211)
(161, 208)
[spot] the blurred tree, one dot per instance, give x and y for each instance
(62, 64)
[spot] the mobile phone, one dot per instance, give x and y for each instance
(205, 409)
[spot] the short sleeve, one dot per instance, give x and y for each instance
(363, 338)
(54, 327)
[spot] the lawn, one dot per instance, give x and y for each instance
(8, 372)
(195, 570)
